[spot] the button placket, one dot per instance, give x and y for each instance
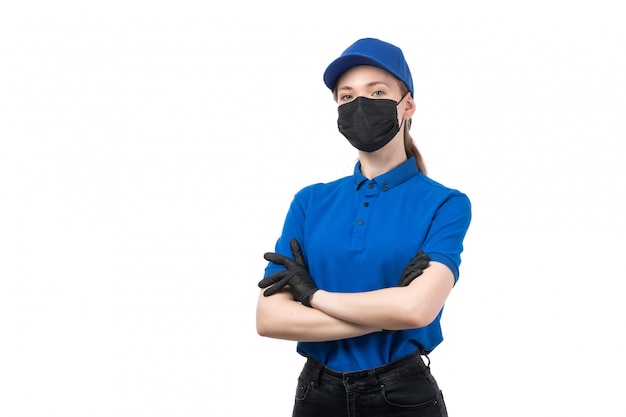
(367, 194)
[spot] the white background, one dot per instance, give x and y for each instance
(149, 151)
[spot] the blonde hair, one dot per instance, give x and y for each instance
(409, 144)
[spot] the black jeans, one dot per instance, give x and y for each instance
(401, 388)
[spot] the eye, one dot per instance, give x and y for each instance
(346, 97)
(378, 93)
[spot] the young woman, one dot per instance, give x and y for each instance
(364, 264)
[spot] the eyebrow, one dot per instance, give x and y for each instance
(371, 84)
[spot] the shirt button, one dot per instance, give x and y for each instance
(370, 185)
(386, 187)
(366, 204)
(361, 222)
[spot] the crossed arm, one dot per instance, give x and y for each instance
(334, 316)
(279, 316)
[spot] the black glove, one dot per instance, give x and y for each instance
(411, 271)
(296, 275)
(414, 268)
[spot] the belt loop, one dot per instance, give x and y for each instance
(317, 369)
(372, 375)
(423, 353)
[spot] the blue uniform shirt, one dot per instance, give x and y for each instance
(358, 234)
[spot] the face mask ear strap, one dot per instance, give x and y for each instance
(403, 97)
(408, 120)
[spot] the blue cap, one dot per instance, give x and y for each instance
(370, 51)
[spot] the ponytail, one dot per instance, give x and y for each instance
(411, 149)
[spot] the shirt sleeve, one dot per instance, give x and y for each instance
(444, 242)
(293, 227)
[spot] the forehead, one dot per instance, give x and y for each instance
(363, 75)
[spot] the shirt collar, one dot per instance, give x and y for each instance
(406, 170)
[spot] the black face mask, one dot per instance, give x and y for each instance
(367, 123)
